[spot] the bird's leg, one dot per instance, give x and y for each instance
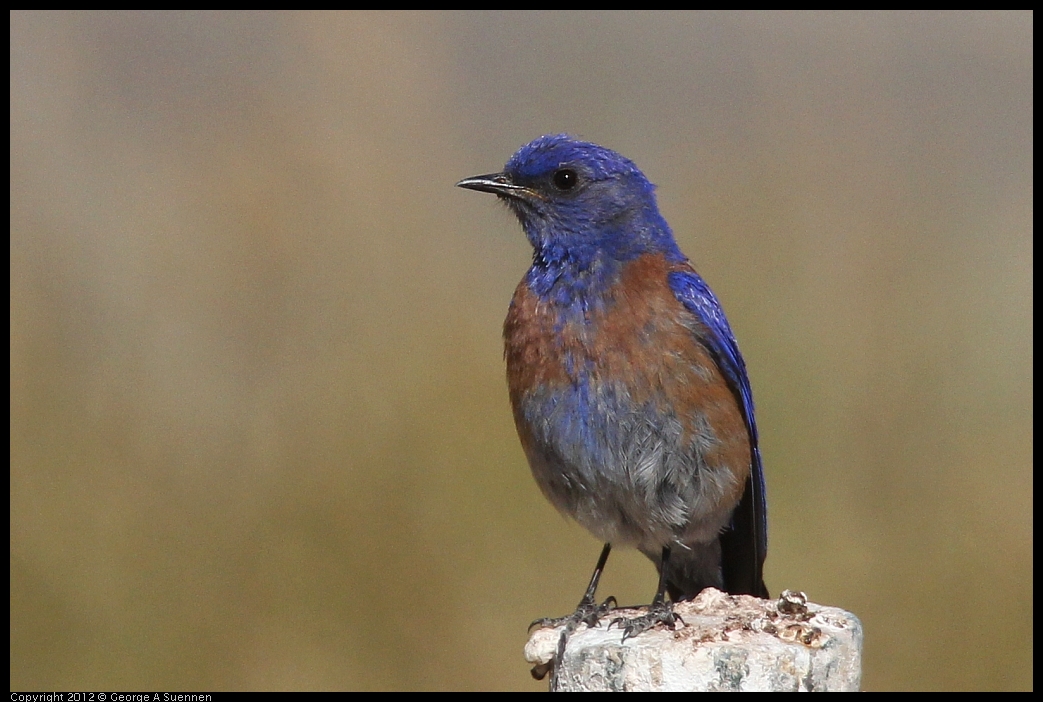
(587, 612)
(659, 612)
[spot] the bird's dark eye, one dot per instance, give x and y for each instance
(565, 179)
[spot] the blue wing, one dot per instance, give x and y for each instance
(745, 545)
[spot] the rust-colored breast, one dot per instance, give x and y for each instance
(639, 339)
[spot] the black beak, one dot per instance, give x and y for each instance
(497, 183)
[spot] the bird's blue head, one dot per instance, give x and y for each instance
(581, 205)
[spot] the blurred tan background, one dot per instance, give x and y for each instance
(260, 436)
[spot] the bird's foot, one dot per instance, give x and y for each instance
(587, 612)
(660, 612)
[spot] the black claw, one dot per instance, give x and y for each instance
(588, 612)
(658, 613)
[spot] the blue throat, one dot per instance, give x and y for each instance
(576, 276)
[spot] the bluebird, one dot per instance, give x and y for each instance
(629, 393)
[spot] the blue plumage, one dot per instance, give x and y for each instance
(630, 395)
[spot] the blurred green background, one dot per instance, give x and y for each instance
(260, 435)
